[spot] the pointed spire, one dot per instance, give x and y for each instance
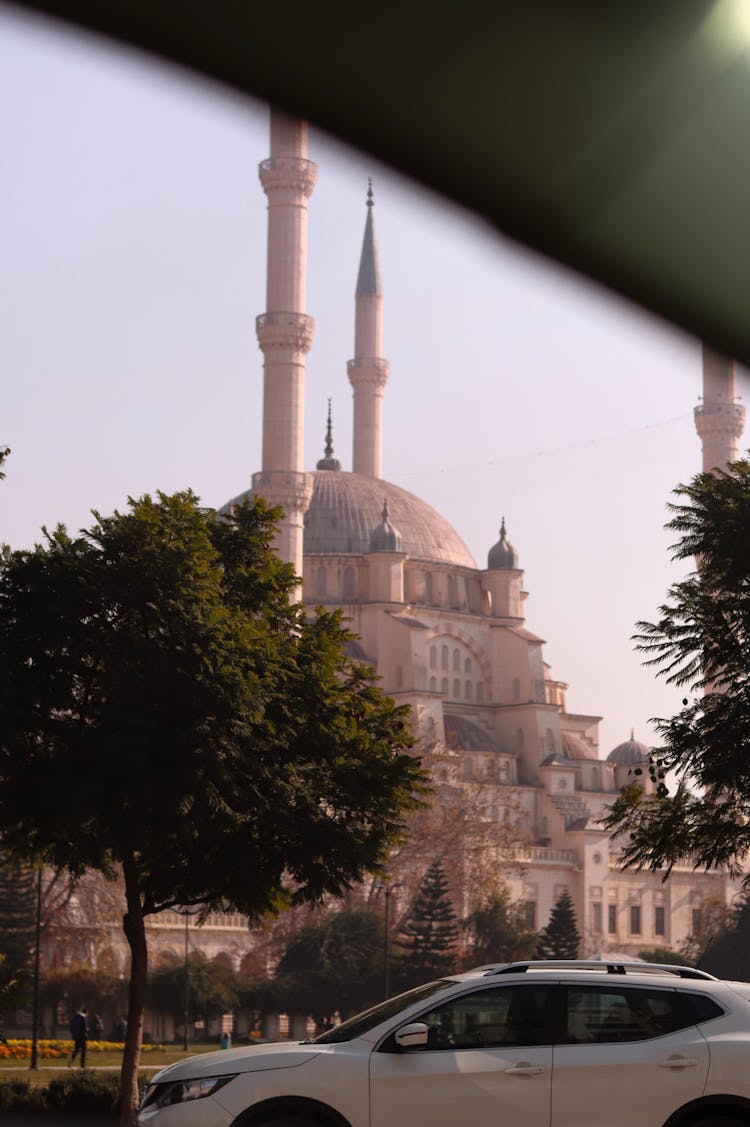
(368, 279)
(328, 462)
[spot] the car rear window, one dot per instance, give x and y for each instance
(701, 1007)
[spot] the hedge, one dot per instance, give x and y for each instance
(76, 1094)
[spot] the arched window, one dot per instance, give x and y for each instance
(467, 665)
(350, 586)
(480, 691)
(443, 657)
(550, 740)
(456, 661)
(433, 685)
(596, 779)
(428, 587)
(468, 690)
(456, 688)
(444, 686)
(321, 583)
(433, 657)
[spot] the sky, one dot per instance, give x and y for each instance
(132, 268)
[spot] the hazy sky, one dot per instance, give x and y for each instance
(132, 267)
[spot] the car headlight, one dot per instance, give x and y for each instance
(180, 1091)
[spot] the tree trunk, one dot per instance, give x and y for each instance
(135, 933)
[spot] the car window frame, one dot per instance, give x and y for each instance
(554, 1009)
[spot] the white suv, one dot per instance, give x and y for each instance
(550, 1044)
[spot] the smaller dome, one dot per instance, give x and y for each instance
(503, 554)
(632, 753)
(385, 538)
(574, 748)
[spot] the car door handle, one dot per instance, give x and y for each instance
(524, 1069)
(678, 1062)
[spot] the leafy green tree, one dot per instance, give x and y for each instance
(429, 936)
(65, 989)
(498, 932)
(18, 882)
(560, 939)
(213, 988)
(701, 643)
(334, 965)
(166, 711)
(727, 954)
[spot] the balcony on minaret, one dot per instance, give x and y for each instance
(285, 330)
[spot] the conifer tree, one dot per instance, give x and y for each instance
(430, 933)
(17, 925)
(560, 939)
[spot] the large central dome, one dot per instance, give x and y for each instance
(346, 507)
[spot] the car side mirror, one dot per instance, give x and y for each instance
(410, 1036)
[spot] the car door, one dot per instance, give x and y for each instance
(487, 1061)
(630, 1057)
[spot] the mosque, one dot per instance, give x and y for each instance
(445, 635)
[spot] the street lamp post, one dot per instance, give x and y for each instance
(186, 1045)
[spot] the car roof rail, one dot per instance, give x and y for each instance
(600, 965)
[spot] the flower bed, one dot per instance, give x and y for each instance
(17, 1049)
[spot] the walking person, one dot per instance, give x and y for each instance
(79, 1033)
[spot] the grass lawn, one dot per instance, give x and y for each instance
(150, 1062)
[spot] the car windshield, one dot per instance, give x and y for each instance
(360, 1023)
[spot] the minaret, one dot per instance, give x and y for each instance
(368, 371)
(719, 419)
(285, 331)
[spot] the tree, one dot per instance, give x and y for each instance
(213, 987)
(701, 643)
(334, 965)
(727, 955)
(429, 936)
(18, 881)
(560, 939)
(166, 711)
(498, 932)
(664, 955)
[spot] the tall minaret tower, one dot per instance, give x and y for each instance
(719, 419)
(285, 331)
(368, 371)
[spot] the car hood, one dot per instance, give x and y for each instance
(286, 1054)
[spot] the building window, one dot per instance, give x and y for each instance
(433, 685)
(635, 919)
(433, 657)
(349, 583)
(516, 689)
(468, 690)
(443, 657)
(456, 688)
(428, 587)
(612, 919)
(456, 661)
(529, 914)
(658, 921)
(467, 665)
(550, 741)
(695, 921)
(596, 919)
(444, 686)
(480, 691)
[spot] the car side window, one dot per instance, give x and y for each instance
(603, 1014)
(499, 1016)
